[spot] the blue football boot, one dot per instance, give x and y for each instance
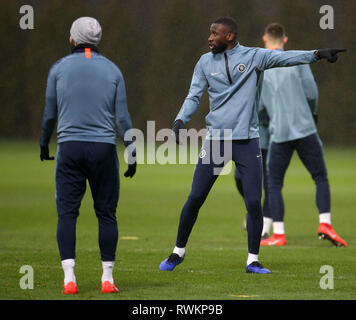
(256, 267)
(171, 262)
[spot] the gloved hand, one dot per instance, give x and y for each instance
(131, 170)
(329, 54)
(132, 163)
(45, 153)
(178, 124)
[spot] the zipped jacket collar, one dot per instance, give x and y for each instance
(81, 47)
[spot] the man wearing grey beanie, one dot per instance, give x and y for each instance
(86, 30)
(86, 95)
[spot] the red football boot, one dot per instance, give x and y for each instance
(70, 288)
(108, 287)
(325, 231)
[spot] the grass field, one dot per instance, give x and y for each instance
(148, 214)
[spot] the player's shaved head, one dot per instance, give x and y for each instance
(275, 31)
(275, 36)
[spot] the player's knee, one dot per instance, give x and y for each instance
(253, 206)
(67, 213)
(274, 183)
(104, 211)
(321, 177)
(196, 200)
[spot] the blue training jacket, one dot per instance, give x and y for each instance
(233, 78)
(86, 94)
(290, 96)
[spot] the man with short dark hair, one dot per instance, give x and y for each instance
(86, 93)
(276, 34)
(232, 74)
(290, 96)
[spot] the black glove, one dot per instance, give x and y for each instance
(329, 54)
(178, 124)
(131, 160)
(131, 170)
(45, 153)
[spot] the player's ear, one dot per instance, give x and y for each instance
(285, 39)
(264, 38)
(230, 36)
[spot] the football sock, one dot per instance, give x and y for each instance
(325, 217)
(68, 268)
(108, 267)
(278, 227)
(267, 223)
(251, 258)
(179, 251)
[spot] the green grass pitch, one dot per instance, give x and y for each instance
(148, 214)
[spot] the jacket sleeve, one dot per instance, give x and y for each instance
(49, 117)
(192, 101)
(310, 87)
(267, 59)
(122, 116)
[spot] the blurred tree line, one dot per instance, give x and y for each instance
(156, 44)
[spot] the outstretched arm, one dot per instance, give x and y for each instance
(271, 58)
(330, 54)
(274, 59)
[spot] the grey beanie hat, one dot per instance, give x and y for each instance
(86, 30)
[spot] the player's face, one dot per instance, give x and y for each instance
(218, 39)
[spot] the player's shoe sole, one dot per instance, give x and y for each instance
(70, 288)
(171, 262)
(108, 287)
(256, 267)
(326, 232)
